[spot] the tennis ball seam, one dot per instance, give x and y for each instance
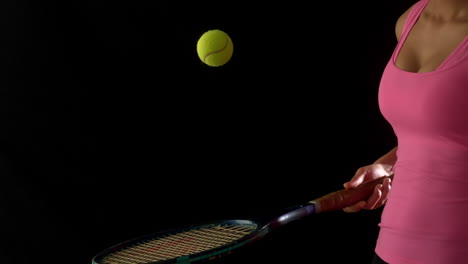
(217, 51)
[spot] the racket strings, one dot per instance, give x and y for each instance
(178, 244)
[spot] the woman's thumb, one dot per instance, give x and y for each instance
(355, 181)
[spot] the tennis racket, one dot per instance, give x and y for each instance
(203, 243)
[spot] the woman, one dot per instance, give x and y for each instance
(423, 94)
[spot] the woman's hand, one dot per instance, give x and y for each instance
(366, 174)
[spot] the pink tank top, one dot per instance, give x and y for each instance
(425, 220)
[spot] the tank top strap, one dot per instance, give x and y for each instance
(411, 19)
(458, 55)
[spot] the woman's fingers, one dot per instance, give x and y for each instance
(386, 186)
(375, 197)
(376, 200)
(381, 191)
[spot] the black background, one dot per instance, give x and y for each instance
(111, 127)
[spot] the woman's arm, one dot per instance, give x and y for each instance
(389, 158)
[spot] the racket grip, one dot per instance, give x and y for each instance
(341, 199)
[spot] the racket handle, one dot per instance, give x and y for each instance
(338, 200)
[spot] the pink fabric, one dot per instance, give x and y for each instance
(426, 219)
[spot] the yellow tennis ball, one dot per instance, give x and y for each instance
(215, 47)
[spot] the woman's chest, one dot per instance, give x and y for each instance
(427, 48)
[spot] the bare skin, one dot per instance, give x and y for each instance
(442, 26)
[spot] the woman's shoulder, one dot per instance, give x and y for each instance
(400, 23)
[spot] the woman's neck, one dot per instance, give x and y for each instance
(447, 10)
